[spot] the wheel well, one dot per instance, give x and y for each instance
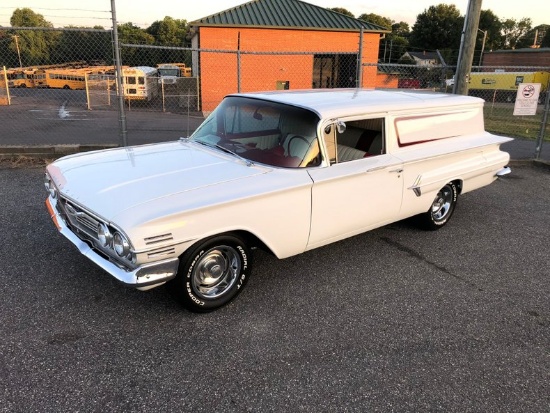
(458, 184)
(252, 240)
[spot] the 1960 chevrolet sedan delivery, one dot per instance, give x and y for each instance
(286, 171)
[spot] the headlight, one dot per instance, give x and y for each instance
(104, 235)
(121, 245)
(50, 187)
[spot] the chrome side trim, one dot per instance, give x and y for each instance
(416, 186)
(158, 239)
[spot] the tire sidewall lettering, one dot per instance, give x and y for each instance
(186, 286)
(448, 215)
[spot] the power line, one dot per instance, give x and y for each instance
(77, 17)
(45, 8)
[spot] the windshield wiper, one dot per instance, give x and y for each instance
(224, 149)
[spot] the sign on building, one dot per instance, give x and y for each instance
(527, 99)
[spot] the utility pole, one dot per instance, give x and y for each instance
(18, 51)
(467, 47)
(482, 45)
(120, 86)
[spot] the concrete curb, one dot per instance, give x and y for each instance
(530, 162)
(48, 151)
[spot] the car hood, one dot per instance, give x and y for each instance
(114, 181)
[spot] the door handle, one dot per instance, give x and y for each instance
(397, 171)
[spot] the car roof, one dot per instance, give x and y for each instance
(335, 103)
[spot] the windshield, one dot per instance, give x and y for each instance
(169, 72)
(263, 131)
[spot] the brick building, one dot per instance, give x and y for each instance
(260, 27)
(518, 57)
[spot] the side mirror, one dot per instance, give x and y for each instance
(340, 126)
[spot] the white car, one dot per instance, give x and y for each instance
(287, 171)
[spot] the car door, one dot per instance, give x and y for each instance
(353, 196)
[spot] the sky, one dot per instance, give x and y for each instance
(142, 13)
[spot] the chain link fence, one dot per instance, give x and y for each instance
(68, 93)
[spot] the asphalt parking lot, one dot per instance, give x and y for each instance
(396, 319)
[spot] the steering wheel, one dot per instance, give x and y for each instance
(298, 137)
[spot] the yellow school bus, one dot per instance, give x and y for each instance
(19, 77)
(140, 83)
(62, 78)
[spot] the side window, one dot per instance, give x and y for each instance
(361, 139)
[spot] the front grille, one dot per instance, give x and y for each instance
(87, 221)
(85, 225)
(80, 220)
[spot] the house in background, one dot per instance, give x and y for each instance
(261, 28)
(422, 58)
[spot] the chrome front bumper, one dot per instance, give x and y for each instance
(148, 275)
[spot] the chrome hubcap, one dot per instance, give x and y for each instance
(216, 272)
(442, 203)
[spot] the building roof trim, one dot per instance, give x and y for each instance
(287, 14)
(523, 50)
(320, 29)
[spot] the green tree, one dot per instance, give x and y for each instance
(85, 45)
(528, 39)
(438, 27)
(25, 17)
(8, 52)
(545, 42)
(376, 19)
(490, 23)
(170, 32)
(401, 29)
(399, 40)
(131, 34)
(513, 31)
(341, 10)
(490, 28)
(394, 44)
(128, 33)
(34, 45)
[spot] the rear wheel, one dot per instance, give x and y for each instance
(212, 273)
(442, 208)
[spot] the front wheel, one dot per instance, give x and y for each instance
(212, 273)
(442, 208)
